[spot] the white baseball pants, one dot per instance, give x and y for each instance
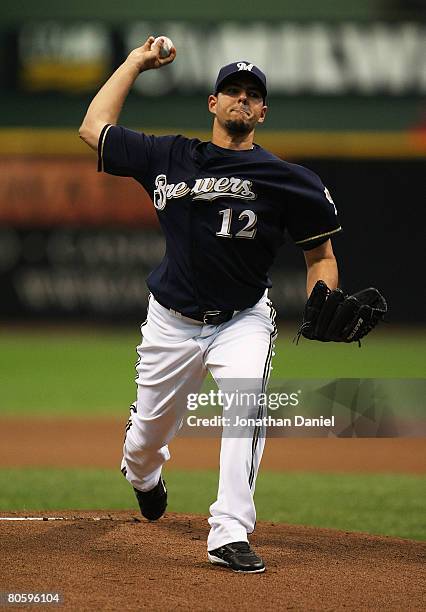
(174, 357)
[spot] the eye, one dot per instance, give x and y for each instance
(253, 93)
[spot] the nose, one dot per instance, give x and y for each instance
(242, 96)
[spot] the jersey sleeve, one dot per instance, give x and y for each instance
(123, 152)
(311, 213)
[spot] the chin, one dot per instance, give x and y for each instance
(238, 126)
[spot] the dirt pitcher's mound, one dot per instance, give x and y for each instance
(102, 561)
(50, 442)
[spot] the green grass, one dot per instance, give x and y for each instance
(387, 353)
(81, 372)
(376, 503)
(62, 374)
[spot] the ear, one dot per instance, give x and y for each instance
(262, 115)
(212, 102)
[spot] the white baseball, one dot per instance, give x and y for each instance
(167, 46)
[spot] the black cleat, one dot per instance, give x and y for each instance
(153, 503)
(238, 556)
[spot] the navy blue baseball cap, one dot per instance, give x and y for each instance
(240, 68)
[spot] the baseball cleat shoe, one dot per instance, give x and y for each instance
(238, 556)
(153, 503)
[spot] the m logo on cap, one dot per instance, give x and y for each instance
(244, 66)
(238, 67)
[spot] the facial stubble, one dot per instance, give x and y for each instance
(238, 127)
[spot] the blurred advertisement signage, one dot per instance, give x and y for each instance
(315, 58)
(76, 272)
(64, 57)
(46, 192)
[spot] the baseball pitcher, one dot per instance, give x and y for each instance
(223, 207)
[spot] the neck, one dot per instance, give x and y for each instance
(238, 142)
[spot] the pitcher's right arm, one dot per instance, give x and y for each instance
(106, 106)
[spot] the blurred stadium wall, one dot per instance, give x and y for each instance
(347, 85)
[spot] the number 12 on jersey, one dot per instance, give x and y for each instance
(249, 229)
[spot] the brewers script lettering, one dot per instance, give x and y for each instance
(206, 189)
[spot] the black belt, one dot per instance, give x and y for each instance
(213, 317)
(208, 317)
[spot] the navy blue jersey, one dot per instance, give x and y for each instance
(223, 214)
